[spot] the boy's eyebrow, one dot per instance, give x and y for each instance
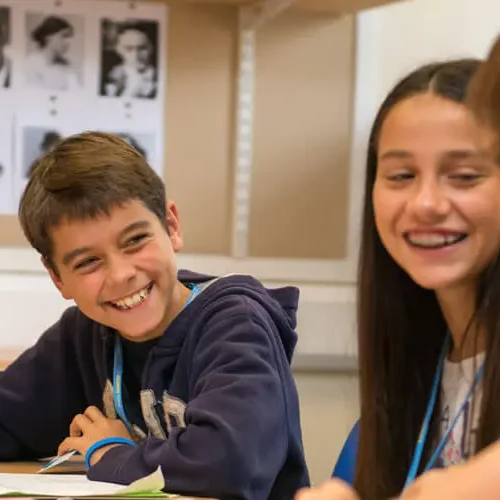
(140, 224)
(68, 257)
(134, 226)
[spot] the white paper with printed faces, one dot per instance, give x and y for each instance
(67, 66)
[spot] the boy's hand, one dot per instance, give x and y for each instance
(331, 490)
(87, 429)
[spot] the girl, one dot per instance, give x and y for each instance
(428, 290)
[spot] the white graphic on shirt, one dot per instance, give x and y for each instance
(138, 434)
(150, 415)
(455, 385)
(173, 410)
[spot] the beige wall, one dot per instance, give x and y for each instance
(303, 107)
(303, 97)
(329, 407)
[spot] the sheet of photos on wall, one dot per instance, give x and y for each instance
(72, 65)
(7, 204)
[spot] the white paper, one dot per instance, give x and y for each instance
(79, 95)
(75, 485)
(145, 140)
(7, 201)
(36, 133)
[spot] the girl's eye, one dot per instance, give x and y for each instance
(466, 178)
(404, 176)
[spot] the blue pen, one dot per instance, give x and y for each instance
(57, 460)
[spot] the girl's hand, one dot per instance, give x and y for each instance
(331, 490)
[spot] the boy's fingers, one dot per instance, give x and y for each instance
(79, 425)
(94, 414)
(68, 444)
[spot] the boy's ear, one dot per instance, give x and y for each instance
(174, 226)
(55, 278)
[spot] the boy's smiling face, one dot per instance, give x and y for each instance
(120, 268)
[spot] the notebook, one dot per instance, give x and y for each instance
(77, 485)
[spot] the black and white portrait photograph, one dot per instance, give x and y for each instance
(7, 205)
(5, 56)
(143, 142)
(37, 141)
(55, 51)
(129, 58)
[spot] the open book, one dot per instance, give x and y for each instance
(76, 485)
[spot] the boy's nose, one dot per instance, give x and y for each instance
(121, 270)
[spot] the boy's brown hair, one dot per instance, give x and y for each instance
(484, 93)
(84, 176)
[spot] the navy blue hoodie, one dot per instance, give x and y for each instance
(220, 411)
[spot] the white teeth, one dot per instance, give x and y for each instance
(434, 241)
(428, 240)
(453, 239)
(133, 300)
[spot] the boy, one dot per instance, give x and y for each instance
(195, 368)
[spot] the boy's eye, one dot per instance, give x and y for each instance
(85, 263)
(137, 239)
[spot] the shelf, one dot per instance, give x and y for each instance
(341, 6)
(324, 363)
(322, 6)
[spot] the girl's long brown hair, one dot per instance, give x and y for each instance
(401, 328)
(484, 100)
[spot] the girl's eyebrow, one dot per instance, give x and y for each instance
(464, 154)
(457, 154)
(395, 153)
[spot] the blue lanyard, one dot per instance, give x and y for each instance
(417, 457)
(118, 370)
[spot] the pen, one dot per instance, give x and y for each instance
(57, 460)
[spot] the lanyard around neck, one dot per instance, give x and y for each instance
(417, 456)
(118, 370)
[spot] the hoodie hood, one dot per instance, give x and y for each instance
(280, 303)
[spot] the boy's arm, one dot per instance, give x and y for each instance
(38, 396)
(236, 434)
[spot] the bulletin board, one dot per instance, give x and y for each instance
(300, 177)
(69, 67)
